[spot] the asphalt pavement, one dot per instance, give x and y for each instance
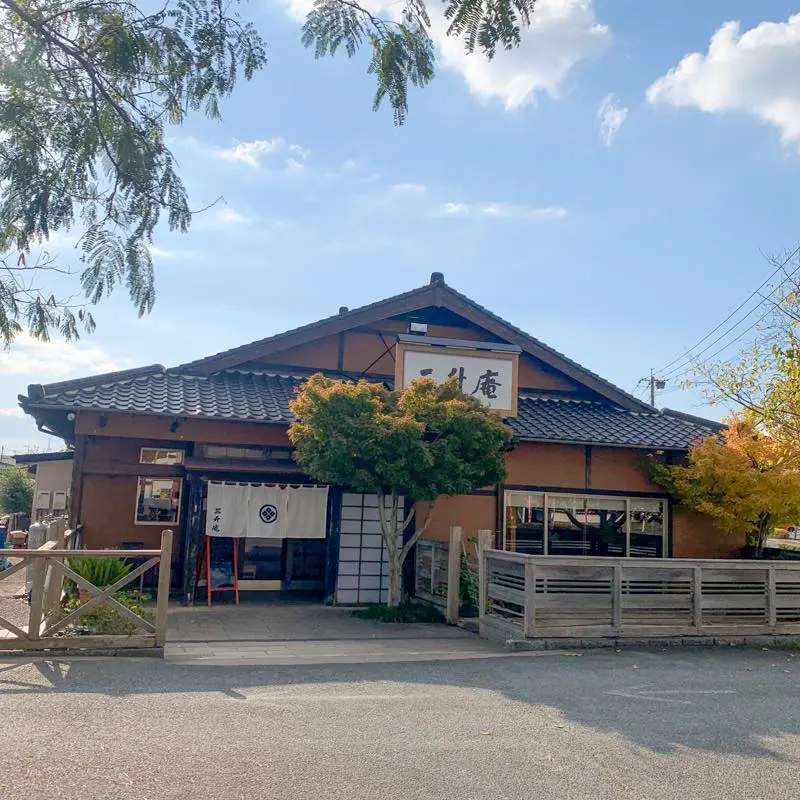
(694, 723)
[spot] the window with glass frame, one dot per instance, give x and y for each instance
(158, 501)
(524, 531)
(159, 455)
(558, 523)
(234, 453)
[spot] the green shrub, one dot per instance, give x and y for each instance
(16, 491)
(108, 621)
(468, 586)
(406, 612)
(98, 570)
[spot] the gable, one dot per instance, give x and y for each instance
(362, 341)
(371, 352)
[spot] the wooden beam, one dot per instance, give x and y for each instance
(340, 351)
(332, 542)
(88, 643)
(587, 457)
(111, 468)
(193, 537)
(76, 483)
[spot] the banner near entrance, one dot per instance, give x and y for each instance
(486, 370)
(266, 511)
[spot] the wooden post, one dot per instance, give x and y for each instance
(484, 544)
(37, 597)
(53, 583)
(454, 575)
(772, 609)
(616, 598)
(529, 623)
(434, 546)
(76, 483)
(162, 597)
(697, 598)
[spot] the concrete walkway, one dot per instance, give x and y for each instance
(284, 633)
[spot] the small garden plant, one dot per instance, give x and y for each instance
(405, 612)
(108, 621)
(104, 620)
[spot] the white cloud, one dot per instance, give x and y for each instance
(412, 188)
(562, 33)
(60, 239)
(610, 117)
(502, 211)
(756, 72)
(13, 411)
(162, 254)
(228, 216)
(56, 360)
(251, 153)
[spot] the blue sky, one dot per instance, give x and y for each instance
(596, 188)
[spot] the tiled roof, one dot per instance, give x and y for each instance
(561, 419)
(264, 397)
(241, 396)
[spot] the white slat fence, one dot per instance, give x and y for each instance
(574, 596)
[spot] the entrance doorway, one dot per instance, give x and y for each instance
(282, 565)
(291, 564)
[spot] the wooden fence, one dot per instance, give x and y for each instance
(438, 570)
(546, 596)
(45, 619)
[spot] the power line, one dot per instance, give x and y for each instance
(694, 355)
(655, 383)
(726, 346)
(690, 351)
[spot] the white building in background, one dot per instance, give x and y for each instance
(53, 475)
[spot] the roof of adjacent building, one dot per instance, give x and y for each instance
(264, 397)
(36, 458)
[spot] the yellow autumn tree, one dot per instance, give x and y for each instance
(764, 378)
(747, 481)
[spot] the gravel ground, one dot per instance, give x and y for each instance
(696, 723)
(13, 605)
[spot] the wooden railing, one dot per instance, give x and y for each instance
(49, 569)
(438, 572)
(573, 596)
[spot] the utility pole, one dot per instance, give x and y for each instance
(655, 383)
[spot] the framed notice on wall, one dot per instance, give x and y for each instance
(485, 370)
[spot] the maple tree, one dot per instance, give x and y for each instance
(746, 480)
(413, 444)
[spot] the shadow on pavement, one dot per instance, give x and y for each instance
(719, 700)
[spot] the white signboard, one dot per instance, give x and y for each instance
(486, 376)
